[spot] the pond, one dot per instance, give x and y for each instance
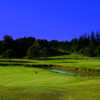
(62, 72)
(67, 73)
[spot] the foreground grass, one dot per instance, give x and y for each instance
(21, 83)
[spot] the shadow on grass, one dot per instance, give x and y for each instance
(29, 93)
(11, 61)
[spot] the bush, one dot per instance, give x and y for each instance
(9, 54)
(87, 52)
(97, 51)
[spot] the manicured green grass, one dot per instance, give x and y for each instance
(21, 83)
(65, 61)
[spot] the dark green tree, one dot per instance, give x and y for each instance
(7, 43)
(34, 50)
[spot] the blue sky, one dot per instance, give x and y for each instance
(49, 19)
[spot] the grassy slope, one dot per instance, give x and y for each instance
(20, 83)
(76, 61)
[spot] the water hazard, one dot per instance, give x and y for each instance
(67, 73)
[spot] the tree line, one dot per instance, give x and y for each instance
(88, 45)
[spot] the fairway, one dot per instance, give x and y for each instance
(22, 83)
